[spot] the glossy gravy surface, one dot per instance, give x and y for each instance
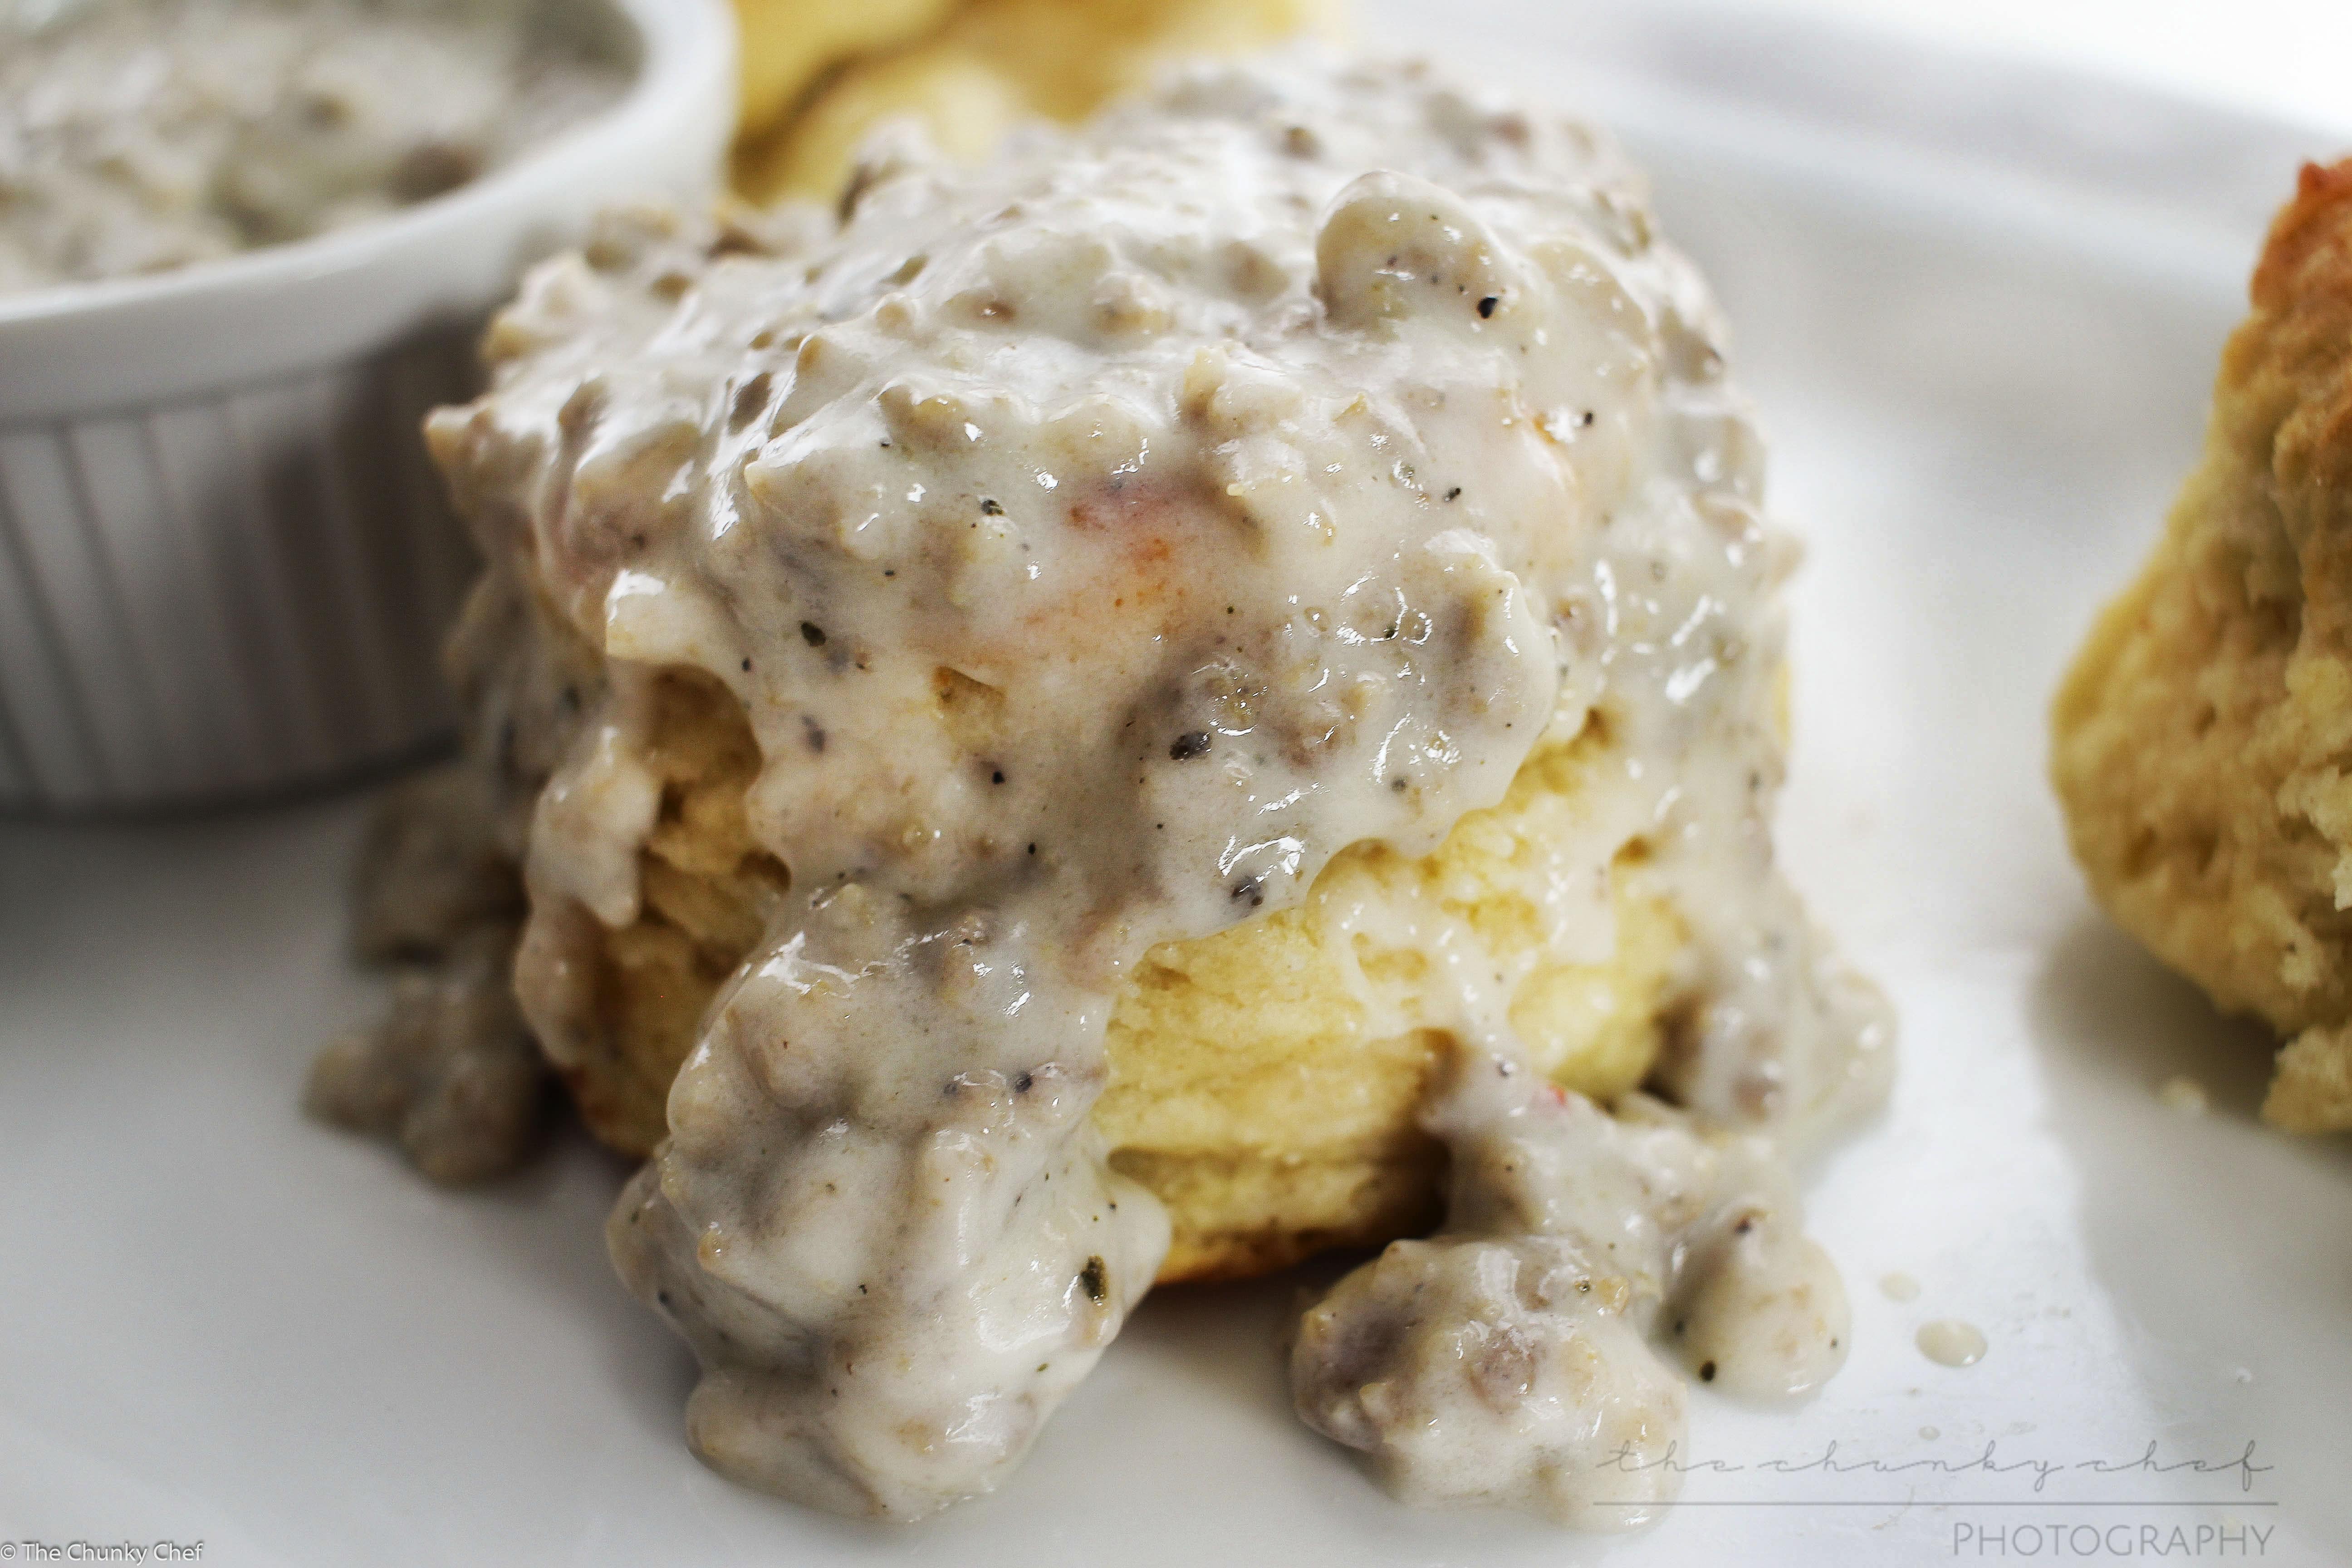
(1097, 542)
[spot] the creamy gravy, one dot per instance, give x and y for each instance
(1948, 1342)
(1507, 1359)
(138, 135)
(1263, 471)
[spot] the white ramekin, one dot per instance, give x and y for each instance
(226, 565)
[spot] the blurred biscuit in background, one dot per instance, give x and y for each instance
(2200, 742)
(819, 76)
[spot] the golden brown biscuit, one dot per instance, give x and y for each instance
(2202, 740)
(1264, 1080)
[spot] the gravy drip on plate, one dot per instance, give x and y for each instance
(1097, 543)
(1507, 1358)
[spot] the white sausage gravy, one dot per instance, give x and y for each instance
(140, 135)
(1272, 464)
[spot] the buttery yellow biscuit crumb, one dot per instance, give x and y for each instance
(1265, 1080)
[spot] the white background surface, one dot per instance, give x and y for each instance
(2288, 57)
(1983, 373)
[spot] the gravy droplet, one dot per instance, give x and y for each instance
(2184, 1094)
(1950, 1342)
(1898, 1287)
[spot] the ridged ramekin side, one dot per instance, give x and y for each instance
(227, 594)
(226, 565)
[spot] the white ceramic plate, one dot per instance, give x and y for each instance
(1980, 309)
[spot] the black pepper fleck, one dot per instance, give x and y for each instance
(990, 509)
(1189, 745)
(1095, 1279)
(1454, 494)
(1248, 891)
(1487, 306)
(750, 398)
(812, 633)
(1706, 1371)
